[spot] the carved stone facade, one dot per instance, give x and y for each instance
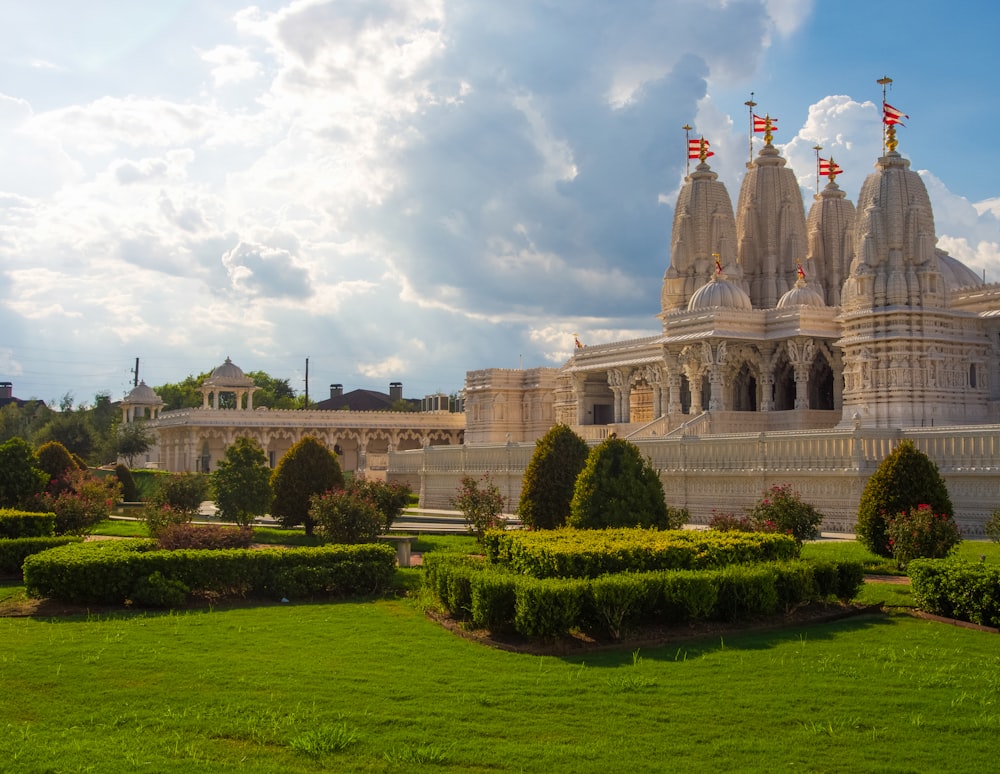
(848, 321)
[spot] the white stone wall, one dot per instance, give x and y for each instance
(727, 473)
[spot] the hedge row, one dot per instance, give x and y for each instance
(25, 524)
(574, 553)
(968, 591)
(14, 552)
(112, 572)
(499, 599)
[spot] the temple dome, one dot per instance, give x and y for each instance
(955, 273)
(229, 375)
(142, 394)
(800, 295)
(719, 293)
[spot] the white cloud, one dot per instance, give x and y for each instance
(231, 64)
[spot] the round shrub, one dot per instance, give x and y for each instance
(921, 533)
(183, 491)
(307, 469)
(345, 517)
(55, 460)
(618, 487)
(550, 478)
(781, 510)
(905, 479)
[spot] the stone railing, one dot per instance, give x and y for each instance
(727, 473)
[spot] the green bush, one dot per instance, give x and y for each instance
(921, 533)
(55, 460)
(617, 487)
(550, 478)
(183, 492)
(25, 524)
(159, 517)
(20, 477)
(389, 497)
(499, 598)
(14, 551)
(905, 479)
(83, 502)
(992, 527)
(781, 509)
(242, 483)
(968, 591)
(158, 591)
(130, 493)
(747, 591)
(306, 469)
(550, 607)
(109, 572)
(345, 517)
(575, 553)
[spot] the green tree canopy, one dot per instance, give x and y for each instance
(308, 468)
(618, 487)
(550, 478)
(20, 477)
(271, 393)
(54, 459)
(242, 483)
(131, 440)
(904, 480)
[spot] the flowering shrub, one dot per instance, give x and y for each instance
(921, 533)
(159, 517)
(172, 537)
(390, 497)
(782, 510)
(481, 507)
(345, 517)
(81, 501)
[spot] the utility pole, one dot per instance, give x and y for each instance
(307, 383)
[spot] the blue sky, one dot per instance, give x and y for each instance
(405, 190)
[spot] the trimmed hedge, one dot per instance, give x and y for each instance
(968, 591)
(499, 599)
(111, 572)
(14, 552)
(25, 524)
(573, 553)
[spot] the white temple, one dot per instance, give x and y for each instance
(794, 349)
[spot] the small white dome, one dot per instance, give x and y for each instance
(229, 375)
(143, 395)
(800, 295)
(719, 293)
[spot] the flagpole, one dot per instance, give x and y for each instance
(687, 147)
(884, 82)
(817, 148)
(750, 106)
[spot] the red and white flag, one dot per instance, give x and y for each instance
(891, 115)
(829, 167)
(766, 124)
(695, 148)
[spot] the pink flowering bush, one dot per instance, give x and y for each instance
(781, 509)
(343, 516)
(921, 533)
(481, 504)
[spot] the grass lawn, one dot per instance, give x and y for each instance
(375, 686)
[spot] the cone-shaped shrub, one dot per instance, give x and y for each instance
(618, 488)
(549, 480)
(307, 469)
(904, 480)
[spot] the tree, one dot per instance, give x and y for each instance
(243, 483)
(131, 440)
(903, 481)
(618, 487)
(307, 469)
(55, 460)
(550, 478)
(70, 428)
(20, 477)
(388, 497)
(129, 492)
(482, 506)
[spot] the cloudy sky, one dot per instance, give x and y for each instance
(404, 190)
